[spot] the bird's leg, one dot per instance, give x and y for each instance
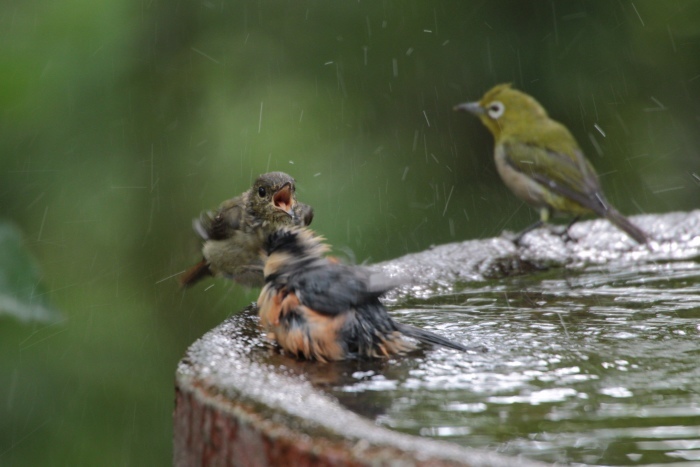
(545, 214)
(519, 236)
(564, 234)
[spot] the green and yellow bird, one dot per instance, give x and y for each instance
(540, 161)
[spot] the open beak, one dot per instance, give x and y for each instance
(283, 199)
(471, 107)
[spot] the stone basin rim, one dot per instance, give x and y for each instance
(230, 383)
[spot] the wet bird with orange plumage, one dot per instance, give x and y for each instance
(234, 234)
(316, 308)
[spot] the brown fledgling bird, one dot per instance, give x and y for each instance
(234, 235)
(316, 308)
(541, 162)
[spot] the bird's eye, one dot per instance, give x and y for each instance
(262, 192)
(496, 109)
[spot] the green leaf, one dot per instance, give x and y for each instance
(21, 293)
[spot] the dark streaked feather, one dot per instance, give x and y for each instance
(431, 338)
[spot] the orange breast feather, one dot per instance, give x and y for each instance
(309, 334)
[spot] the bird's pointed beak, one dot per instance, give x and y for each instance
(471, 107)
(283, 199)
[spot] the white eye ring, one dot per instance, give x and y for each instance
(495, 109)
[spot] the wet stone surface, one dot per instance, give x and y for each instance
(594, 351)
(443, 268)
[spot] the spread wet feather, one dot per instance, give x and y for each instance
(318, 309)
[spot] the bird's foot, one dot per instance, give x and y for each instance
(563, 233)
(518, 238)
(478, 348)
(510, 236)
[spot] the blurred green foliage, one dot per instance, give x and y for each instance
(21, 292)
(122, 120)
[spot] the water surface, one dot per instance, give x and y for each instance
(598, 366)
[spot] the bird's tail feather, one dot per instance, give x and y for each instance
(194, 274)
(614, 216)
(428, 337)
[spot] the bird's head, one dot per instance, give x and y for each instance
(504, 109)
(273, 198)
(290, 247)
(295, 241)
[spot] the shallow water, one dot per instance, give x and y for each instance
(595, 366)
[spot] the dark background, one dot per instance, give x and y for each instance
(122, 120)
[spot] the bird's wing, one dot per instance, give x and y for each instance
(220, 225)
(304, 213)
(567, 174)
(332, 288)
